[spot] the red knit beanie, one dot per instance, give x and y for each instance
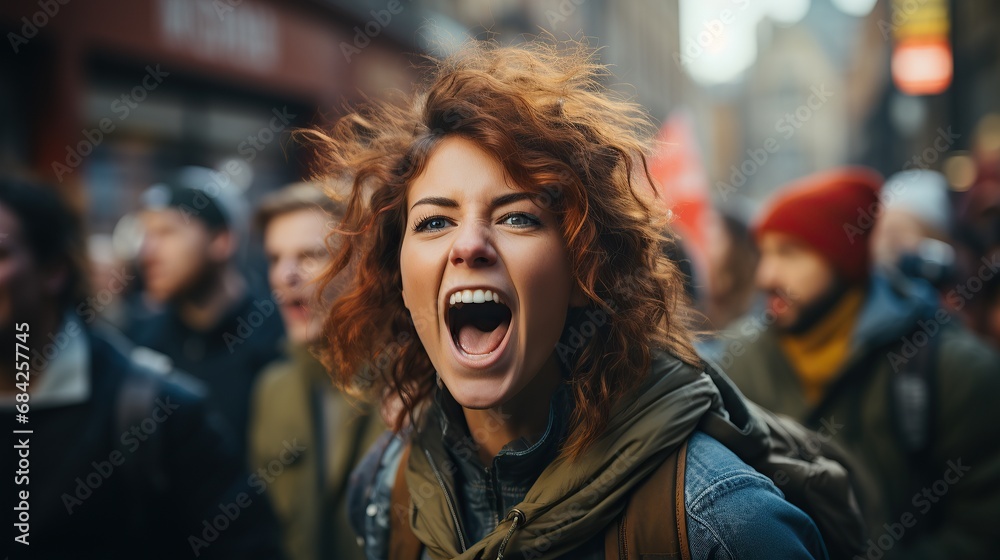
(833, 212)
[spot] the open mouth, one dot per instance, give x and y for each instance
(478, 321)
(296, 307)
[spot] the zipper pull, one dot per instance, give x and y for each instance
(518, 519)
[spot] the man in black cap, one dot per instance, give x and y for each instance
(212, 325)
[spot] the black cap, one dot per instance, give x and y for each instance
(192, 200)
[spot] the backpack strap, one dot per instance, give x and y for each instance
(647, 530)
(680, 510)
(403, 543)
(912, 399)
(913, 403)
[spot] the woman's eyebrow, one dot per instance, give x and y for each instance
(497, 202)
(436, 201)
(510, 198)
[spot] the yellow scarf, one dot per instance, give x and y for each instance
(817, 355)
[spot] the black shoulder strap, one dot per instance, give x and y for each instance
(136, 401)
(913, 395)
(140, 441)
(913, 409)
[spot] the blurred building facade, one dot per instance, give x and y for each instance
(104, 97)
(821, 92)
(799, 107)
(635, 38)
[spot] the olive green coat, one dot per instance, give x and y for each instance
(286, 444)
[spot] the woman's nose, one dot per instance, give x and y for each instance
(473, 247)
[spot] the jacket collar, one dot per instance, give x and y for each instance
(66, 377)
(305, 362)
(520, 460)
(891, 310)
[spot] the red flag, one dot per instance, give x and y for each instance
(682, 184)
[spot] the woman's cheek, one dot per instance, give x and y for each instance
(419, 293)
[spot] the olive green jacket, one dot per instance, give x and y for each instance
(288, 455)
(948, 504)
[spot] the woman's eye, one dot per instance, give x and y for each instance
(433, 223)
(520, 219)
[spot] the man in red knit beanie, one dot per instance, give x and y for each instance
(878, 367)
(814, 244)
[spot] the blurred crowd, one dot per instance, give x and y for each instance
(869, 307)
(934, 227)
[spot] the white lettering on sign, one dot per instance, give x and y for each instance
(235, 31)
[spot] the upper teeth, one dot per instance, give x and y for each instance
(473, 296)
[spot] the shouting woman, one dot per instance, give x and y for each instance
(513, 310)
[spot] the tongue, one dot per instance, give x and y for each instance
(477, 342)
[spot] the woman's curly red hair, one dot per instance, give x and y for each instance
(542, 111)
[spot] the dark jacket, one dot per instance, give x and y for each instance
(227, 358)
(941, 503)
(156, 489)
(732, 510)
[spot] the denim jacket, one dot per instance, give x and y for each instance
(732, 510)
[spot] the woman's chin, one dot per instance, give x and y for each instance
(478, 394)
